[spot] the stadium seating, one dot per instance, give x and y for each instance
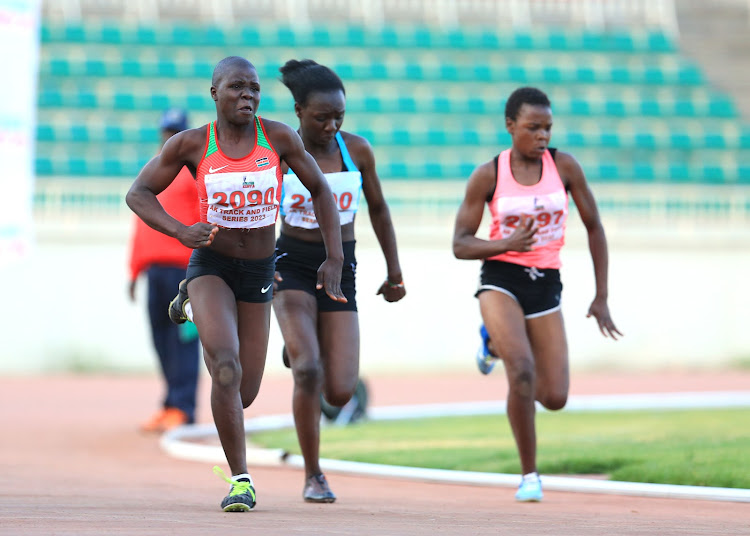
(626, 103)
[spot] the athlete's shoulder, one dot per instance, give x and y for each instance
(282, 137)
(359, 148)
(187, 145)
(191, 137)
(565, 162)
(276, 128)
(354, 141)
(487, 169)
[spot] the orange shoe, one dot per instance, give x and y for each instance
(173, 417)
(154, 424)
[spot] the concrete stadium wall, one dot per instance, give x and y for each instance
(681, 300)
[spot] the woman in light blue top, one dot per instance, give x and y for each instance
(321, 335)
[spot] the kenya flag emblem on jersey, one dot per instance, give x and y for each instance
(260, 162)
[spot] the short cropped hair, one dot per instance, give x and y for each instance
(524, 95)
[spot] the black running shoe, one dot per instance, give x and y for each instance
(177, 305)
(241, 496)
(317, 490)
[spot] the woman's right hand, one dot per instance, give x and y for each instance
(522, 237)
(198, 235)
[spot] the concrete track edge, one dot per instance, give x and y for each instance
(185, 443)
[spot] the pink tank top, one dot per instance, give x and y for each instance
(546, 202)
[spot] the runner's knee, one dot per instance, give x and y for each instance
(554, 400)
(339, 395)
(521, 377)
(225, 370)
(308, 376)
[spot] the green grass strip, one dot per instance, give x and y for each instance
(695, 447)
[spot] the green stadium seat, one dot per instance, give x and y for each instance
(643, 172)
(214, 36)
(660, 42)
(45, 133)
(124, 101)
(575, 139)
(689, 75)
(585, 74)
(50, 98)
(609, 172)
(712, 173)
(653, 75)
(615, 107)
(110, 34)
(355, 36)
(77, 166)
(523, 41)
(684, 107)
(422, 37)
(145, 35)
(43, 166)
(645, 141)
(620, 75)
(721, 107)
(131, 68)
(679, 140)
(744, 138)
(59, 67)
(714, 140)
(579, 107)
(250, 36)
(114, 134)
(650, 107)
(679, 172)
(112, 167)
(470, 137)
(74, 33)
(551, 75)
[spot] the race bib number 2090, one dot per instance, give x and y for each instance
(242, 200)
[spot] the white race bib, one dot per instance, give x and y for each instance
(296, 201)
(242, 200)
(550, 213)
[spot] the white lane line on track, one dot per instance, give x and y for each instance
(184, 443)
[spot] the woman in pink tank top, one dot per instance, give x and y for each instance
(519, 294)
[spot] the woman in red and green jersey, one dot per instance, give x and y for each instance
(236, 161)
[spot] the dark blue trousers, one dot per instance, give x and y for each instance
(179, 358)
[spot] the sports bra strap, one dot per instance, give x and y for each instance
(348, 162)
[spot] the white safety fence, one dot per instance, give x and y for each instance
(594, 14)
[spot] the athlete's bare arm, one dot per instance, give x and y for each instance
(289, 147)
(465, 243)
(575, 180)
(392, 288)
(182, 149)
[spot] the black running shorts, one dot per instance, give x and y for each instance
(538, 292)
(297, 261)
(251, 280)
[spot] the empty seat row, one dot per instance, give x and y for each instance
(475, 71)
(673, 172)
(564, 138)
(711, 106)
(347, 35)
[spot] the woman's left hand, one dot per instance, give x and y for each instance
(392, 292)
(600, 310)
